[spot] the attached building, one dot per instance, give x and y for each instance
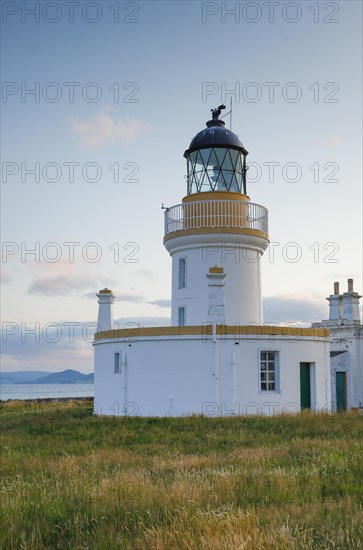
(346, 336)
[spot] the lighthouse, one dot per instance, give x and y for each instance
(217, 358)
(216, 224)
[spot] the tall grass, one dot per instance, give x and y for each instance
(73, 480)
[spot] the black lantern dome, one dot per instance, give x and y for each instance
(216, 159)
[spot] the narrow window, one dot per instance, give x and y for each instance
(117, 363)
(182, 273)
(181, 316)
(268, 378)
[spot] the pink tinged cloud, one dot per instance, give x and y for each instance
(4, 275)
(102, 129)
(57, 286)
(63, 278)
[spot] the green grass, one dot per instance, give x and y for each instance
(73, 480)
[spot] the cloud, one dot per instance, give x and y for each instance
(161, 303)
(145, 274)
(331, 141)
(103, 129)
(4, 275)
(63, 278)
(135, 298)
(50, 346)
(297, 308)
(120, 297)
(57, 286)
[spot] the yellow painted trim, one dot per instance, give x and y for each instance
(134, 332)
(216, 269)
(206, 330)
(216, 196)
(223, 230)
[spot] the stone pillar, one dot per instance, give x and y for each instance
(335, 304)
(216, 312)
(105, 310)
(351, 303)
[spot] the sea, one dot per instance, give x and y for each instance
(42, 391)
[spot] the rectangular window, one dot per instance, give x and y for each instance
(117, 363)
(268, 379)
(181, 316)
(182, 273)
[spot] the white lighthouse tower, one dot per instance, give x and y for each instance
(217, 357)
(216, 224)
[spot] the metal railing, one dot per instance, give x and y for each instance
(216, 213)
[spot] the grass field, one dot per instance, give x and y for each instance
(72, 480)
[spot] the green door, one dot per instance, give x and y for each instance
(341, 391)
(305, 396)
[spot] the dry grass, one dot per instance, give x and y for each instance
(72, 480)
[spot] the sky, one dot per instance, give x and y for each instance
(100, 100)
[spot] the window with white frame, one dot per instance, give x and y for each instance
(268, 372)
(181, 316)
(182, 273)
(117, 363)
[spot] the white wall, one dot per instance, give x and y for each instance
(179, 375)
(347, 336)
(239, 255)
(349, 340)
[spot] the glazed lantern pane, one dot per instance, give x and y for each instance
(215, 169)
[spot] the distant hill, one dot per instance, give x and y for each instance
(68, 376)
(21, 376)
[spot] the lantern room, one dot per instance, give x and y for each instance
(216, 159)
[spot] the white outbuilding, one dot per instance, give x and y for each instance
(217, 357)
(346, 349)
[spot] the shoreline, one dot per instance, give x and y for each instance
(46, 400)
